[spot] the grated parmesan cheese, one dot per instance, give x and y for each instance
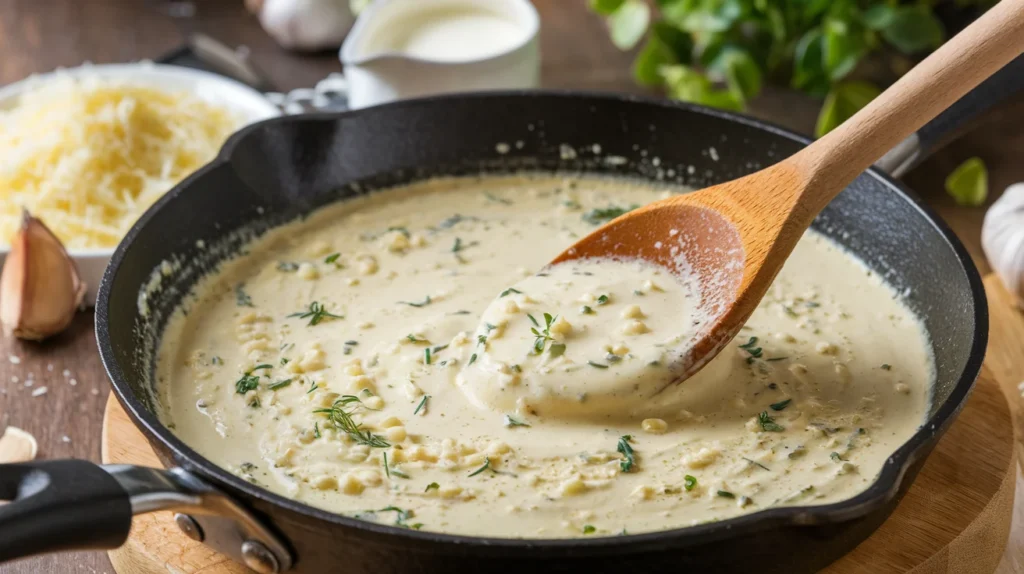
(88, 156)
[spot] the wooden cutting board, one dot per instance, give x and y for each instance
(956, 519)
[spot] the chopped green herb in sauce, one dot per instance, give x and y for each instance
(342, 420)
(598, 216)
(280, 384)
(250, 381)
(486, 466)
(511, 421)
(392, 471)
(780, 405)
(401, 517)
(316, 314)
(689, 482)
(242, 298)
(624, 448)
(423, 403)
(755, 463)
(497, 199)
(422, 303)
(768, 423)
(544, 335)
(510, 290)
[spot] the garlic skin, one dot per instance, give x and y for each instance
(306, 25)
(17, 445)
(40, 288)
(1002, 238)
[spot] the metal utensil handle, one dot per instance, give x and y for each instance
(77, 505)
(994, 91)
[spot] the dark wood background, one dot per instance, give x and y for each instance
(40, 35)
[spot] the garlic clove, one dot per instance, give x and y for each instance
(306, 25)
(17, 445)
(40, 289)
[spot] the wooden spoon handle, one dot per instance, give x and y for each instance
(933, 85)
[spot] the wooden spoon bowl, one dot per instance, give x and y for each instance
(733, 238)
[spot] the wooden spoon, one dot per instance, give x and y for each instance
(735, 236)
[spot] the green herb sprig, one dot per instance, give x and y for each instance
(316, 313)
(250, 381)
(542, 335)
(341, 418)
(768, 423)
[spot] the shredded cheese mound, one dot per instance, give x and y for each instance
(88, 156)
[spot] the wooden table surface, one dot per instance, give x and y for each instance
(39, 35)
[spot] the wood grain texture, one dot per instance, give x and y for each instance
(954, 520)
(1004, 359)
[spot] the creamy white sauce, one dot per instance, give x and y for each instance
(458, 33)
(367, 315)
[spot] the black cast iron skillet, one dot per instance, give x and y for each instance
(273, 172)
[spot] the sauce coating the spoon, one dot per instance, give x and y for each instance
(591, 338)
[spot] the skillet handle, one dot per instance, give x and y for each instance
(992, 92)
(77, 505)
(60, 505)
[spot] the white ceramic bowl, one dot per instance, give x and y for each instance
(243, 100)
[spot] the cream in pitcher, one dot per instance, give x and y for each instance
(409, 48)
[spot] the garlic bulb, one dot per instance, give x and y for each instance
(1002, 237)
(17, 445)
(40, 289)
(306, 25)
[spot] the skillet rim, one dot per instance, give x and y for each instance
(882, 490)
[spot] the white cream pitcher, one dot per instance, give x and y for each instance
(407, 48)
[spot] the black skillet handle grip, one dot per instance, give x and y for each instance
(992, 92)
(60, 505)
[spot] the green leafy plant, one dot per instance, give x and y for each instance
(968, 184)
(720, 53)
